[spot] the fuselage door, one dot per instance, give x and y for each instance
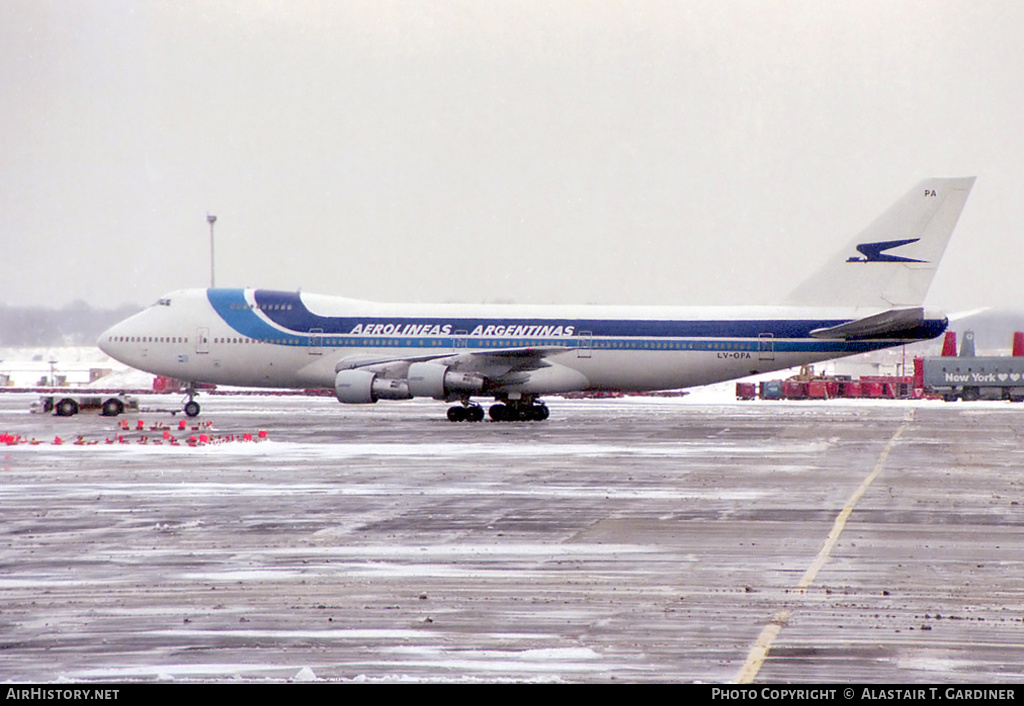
(202, 340)
(766, 346)
(316, 341)
(585, 345)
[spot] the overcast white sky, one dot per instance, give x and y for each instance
(538, 151)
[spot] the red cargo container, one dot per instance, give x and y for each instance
(871, 388)
(794, 389)
(746, 391)
(162, 383)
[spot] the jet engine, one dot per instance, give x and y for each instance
(364, 387)
(437, 381)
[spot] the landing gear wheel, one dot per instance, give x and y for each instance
(465, 413)
(519, 412)
(192, 408)
(67, 407)
(113, 407)
(469, 413)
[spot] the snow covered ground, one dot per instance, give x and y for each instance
(29, 367)
(637, 539)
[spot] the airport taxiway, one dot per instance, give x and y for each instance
(634, 540)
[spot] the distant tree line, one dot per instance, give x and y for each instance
(77, 324)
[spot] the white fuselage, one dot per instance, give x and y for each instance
(263, 338)
(868, 296)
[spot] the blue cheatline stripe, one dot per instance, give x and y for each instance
(287, 310)
(231, 306)
(281, 316)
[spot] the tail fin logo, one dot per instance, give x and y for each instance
(875, 252)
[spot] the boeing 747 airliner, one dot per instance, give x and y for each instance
(869, 296)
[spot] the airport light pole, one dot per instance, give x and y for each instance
(211, 220)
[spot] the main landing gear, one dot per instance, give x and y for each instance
(466, 413)
(521, 410)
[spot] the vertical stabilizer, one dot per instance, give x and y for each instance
(891, 263)
(949, 345)
(967, 345)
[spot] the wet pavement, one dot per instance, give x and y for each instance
(632, 540)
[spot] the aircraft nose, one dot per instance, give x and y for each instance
(103, 342)
(107, 342)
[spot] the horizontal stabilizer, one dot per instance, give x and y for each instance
(960, 315)
(881, 325)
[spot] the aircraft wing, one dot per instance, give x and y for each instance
(492, 363)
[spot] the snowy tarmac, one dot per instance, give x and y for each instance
(632, 540)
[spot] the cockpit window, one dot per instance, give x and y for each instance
(163, 302)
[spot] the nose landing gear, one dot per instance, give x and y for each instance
(191, 407)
